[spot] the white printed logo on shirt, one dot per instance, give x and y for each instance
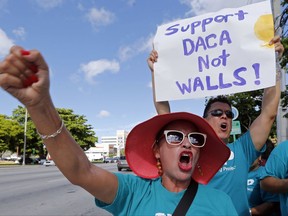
(225, 167)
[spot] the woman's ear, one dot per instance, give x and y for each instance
(156, 151)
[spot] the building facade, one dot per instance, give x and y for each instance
(115, 144)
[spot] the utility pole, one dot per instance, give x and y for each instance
(25, 130)
(282, 123)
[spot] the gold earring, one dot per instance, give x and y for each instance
(159, 166)
(199, 169)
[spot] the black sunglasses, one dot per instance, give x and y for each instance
(219, 112)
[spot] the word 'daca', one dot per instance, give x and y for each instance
(210, 41)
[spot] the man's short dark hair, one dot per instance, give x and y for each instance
(219, 98)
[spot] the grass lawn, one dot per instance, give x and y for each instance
(8, 163)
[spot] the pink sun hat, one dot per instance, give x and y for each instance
(141, 159)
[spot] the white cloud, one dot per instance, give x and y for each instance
(147, 44)
(142, 45)
(48, 4)
(20, 32)
(103, 114)
(94, 68)
(125, 52)
(199, 7)
(100, 17)
(5, 43)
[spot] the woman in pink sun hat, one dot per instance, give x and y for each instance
(172, 155)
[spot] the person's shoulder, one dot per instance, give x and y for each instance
(259, 171)
(283, 145)
(134, 179)
(281, 150)
(126, 177)
(244, 137)
(245, 143)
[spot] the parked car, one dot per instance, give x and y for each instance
(122, 163)
(49, 163)
(115, 159)
(108, 160)
(41, 161)
(28, 160)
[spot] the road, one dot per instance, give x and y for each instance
(43, 191)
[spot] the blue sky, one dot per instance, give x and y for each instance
(97, 51)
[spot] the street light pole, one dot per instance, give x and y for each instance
(25, 130)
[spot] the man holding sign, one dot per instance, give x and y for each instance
(217, 53)
(232, 177)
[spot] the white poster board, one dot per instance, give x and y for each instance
(217, 53)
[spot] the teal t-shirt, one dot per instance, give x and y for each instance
(232, 176)
(277, 166)
(256, 195)
(137, 196)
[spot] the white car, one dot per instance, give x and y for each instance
(49, 163)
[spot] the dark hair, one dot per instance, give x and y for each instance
(269, 147)
(220, 98)
(158, 136)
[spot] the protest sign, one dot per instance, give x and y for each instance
(217, 53)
